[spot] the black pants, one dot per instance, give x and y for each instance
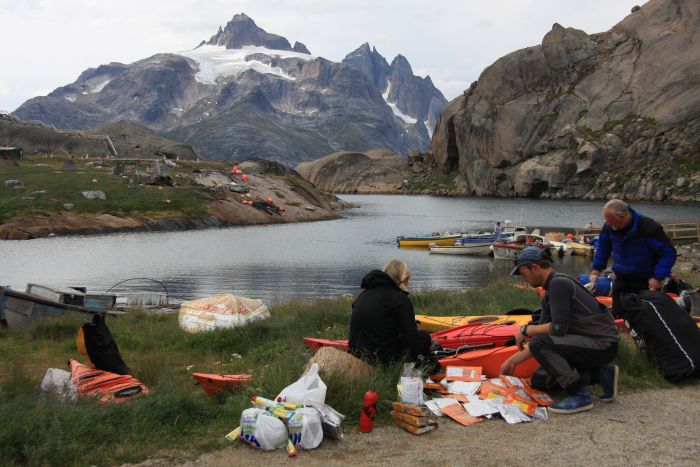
(626, 285)
(569, 362)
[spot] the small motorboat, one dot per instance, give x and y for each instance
(19, 309)
(214, 384)
(510, 250)
(580, 249)
(476, 249)
(424, 242)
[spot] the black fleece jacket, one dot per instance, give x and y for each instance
(383, 324)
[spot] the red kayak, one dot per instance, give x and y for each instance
(214, 384)
(316, 343)
(490, 361)
(475, 334)
(469, 334)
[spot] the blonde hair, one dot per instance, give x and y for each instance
(399, 272)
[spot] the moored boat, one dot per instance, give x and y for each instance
(478, 249)
(424, 242)
(18, 309)
(509, 250)
(580, 249)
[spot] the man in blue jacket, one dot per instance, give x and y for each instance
(642, 252)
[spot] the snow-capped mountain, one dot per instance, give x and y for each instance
(247, 93)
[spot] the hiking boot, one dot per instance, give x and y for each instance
(608, 380)
(580, 402)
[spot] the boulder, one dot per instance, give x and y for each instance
(94, 195)
(547, 120)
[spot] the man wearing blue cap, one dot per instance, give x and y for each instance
(575, 340)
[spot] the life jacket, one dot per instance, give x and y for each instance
(104, 386)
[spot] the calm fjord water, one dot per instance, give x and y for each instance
(307, 260)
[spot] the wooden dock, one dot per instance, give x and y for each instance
(687, 230)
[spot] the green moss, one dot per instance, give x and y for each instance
(435, 182)
(46, 189)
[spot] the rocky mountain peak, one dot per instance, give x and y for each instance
(242, 31)
(371, 63)
(400, 65)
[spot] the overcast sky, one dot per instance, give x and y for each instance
(48, 43)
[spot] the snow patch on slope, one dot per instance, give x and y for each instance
(217, 61)
(100, 86)
(406, 118)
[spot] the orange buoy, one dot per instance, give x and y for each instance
(244, 177)
(269, 200)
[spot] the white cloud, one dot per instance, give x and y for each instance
(452, 40)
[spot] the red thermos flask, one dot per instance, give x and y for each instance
(369, 409)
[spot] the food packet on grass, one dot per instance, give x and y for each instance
(410, 387)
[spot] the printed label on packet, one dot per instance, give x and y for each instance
(463, 373)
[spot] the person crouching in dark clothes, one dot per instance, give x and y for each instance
(383, 324)
(575, 340)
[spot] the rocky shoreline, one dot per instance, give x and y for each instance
(271, 194)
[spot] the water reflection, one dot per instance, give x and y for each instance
(280, 262)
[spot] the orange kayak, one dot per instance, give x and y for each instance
(214, 384)
(490, 361)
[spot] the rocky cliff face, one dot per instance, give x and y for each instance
(247, 93)
(374, 171)
(414, 99)
(615, 114)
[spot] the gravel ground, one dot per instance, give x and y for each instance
(654, 427)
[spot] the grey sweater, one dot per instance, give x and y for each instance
(574, 310)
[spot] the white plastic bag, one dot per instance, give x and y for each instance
(307, 389)
(410, 385)
(262, 430)
(305, 429)
(58, 382)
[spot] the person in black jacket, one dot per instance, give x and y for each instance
(383, 324)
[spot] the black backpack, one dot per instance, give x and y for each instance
(670, 336)
(101, 348)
